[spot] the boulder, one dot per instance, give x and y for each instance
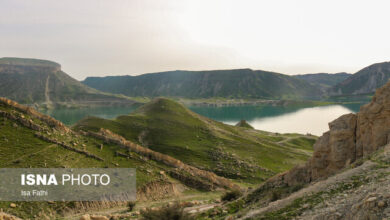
(85, 217)
(99, 217)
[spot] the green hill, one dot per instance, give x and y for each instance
(29, 139)
(237, 83)
(245, 155)
(41, 82)
(365, 81)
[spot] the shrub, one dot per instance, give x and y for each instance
(131, 205)
(168, 212)
(231, 195)
(275, 196)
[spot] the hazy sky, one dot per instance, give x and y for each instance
(117, 37)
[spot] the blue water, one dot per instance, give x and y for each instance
(280, 119)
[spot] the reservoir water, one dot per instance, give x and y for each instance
(281, 119)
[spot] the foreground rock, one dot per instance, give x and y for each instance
(360, 193)
(6, 216)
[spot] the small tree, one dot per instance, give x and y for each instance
(231, 195)
(131, 205)
(275, 196)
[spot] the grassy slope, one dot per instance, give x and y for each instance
(238, 153)
(20, 148)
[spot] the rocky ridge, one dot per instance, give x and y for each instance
(34, 114)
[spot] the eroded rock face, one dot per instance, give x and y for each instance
(373, 123)
(350, 137)
(336, 148)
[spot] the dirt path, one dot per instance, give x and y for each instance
(200, 208)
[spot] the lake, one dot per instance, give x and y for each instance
(313, 120)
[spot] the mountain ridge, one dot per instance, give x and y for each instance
(324, 80)
(365, 81)
(237, 83)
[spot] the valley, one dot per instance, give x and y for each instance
(31, 139)
(201, 142)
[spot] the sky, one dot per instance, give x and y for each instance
(131, 37)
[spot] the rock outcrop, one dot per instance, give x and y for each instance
(6, 216)
(33, 113)
(373, 123)
(244, 124)
(350, 137)
(335, 148)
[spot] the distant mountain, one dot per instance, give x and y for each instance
(237, 83)
(324, 80)
(42, 82)
(364, 81)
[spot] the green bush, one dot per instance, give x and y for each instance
(275, 196)
(231, 195)
(131, 205)
(168, 212)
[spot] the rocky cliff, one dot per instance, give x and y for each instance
(43, 83)
(350, 137)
